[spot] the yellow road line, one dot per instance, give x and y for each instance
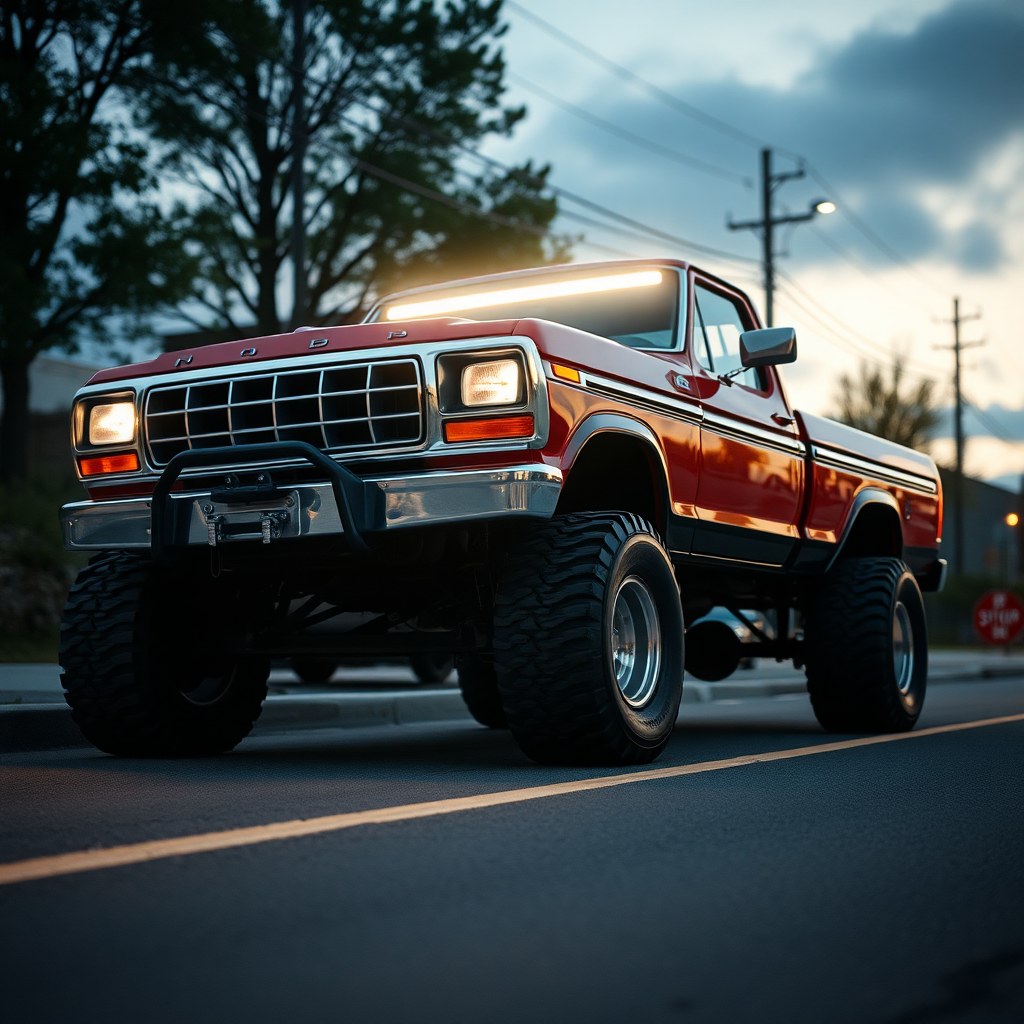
(137, 853)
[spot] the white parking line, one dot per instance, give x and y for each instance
(137, 853)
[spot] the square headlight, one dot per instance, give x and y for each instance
(495, 382)
(112, 423)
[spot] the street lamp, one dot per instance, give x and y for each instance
(1011, 519)
(767, 223)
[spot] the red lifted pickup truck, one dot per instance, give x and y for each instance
(552, 475)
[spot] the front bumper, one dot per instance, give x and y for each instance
(529, 491)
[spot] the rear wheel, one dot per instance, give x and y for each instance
(867, 647)
(143, 671)
(589, 642)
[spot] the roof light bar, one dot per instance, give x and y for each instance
(524, 293)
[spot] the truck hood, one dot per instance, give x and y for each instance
(288, 346)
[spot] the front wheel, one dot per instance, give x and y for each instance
(143, 670)
(479, 686)
(588, 642)
(867, 648)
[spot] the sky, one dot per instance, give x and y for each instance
(910, 115)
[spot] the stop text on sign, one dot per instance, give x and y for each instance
(999, 617)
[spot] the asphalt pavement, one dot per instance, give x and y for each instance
(880, 882)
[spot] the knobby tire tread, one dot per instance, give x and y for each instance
(102, 655)
(548, 644)
(848, 657)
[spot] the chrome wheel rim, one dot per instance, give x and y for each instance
(636, 642)
(902, 648)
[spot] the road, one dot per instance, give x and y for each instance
(877, 883)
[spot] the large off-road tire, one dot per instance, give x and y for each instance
(479, 685)
(588, 640)
(867, 647)
(142, 672)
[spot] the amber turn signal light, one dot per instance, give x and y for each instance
(126, 463)
(565, 372)
(491, 429)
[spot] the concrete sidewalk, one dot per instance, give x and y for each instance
(34, 716)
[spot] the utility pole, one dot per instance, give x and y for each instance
(765, 226)
(957, 347)
(298, 239)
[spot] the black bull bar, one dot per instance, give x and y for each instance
(355, 498)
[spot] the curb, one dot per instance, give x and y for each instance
(31, 727)
(28, 727)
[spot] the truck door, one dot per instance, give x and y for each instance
(750, 482)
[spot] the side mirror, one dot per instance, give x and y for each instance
(768, 346)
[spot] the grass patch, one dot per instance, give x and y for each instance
(31, 508)
(39, 647)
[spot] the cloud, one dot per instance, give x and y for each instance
(978, 247)
(887, 116)
(934, 101)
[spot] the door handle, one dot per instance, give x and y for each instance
(783, 421)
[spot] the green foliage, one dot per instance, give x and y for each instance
(886, 408)
(37, 648)
(79, 239)
(29, 524)
(395, 92)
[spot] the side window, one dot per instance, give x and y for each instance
(717, 326)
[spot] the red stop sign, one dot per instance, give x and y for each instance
(999, 617)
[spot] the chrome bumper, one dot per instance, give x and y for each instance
(428, 498)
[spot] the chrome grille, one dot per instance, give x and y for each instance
(358, 405)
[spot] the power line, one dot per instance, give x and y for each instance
(639, 228)
(868, 233)
(834, 337)
(631, 76)
(844, 343)
(863, 339)
(461, 147)
(720, 126)
(625, 133)
(995, 427)
(869, 272)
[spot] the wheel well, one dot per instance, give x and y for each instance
(616, 472)
(875, 532)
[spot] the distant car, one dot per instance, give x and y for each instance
(546, 491)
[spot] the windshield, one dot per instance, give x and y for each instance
(638, 308)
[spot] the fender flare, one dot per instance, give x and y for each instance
(616, 423)
(861, 500)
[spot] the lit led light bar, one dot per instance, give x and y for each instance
(524, 293)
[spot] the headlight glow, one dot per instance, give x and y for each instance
(492, 383)
(113, 423)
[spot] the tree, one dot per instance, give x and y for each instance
(887, 409)
(394, 93)
(78, 242)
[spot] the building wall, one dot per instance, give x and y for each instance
(991, 548)
(53, 382)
